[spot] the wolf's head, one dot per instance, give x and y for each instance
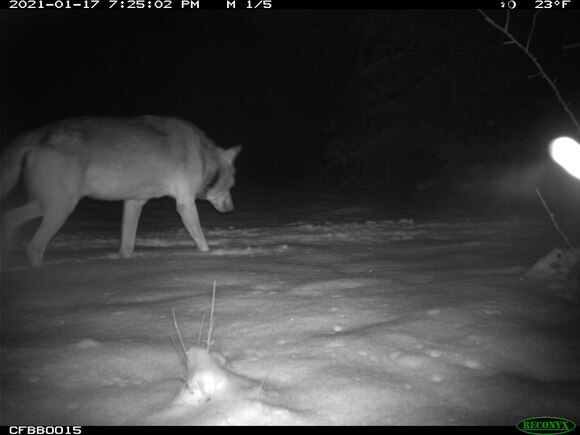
(217, 188)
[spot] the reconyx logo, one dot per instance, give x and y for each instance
(545, 425)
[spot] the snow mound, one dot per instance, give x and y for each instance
(557, 264)
(214, 395)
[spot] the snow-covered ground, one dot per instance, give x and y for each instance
(329, 309)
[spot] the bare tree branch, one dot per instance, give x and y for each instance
(571, 46)
(551, 82)
(532, 29)
(553, 219)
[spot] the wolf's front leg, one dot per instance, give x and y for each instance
(131, 212)
(188, 212)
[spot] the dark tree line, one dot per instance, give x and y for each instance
(430, 94)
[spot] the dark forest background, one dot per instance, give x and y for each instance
(346, 97)
(437, 95)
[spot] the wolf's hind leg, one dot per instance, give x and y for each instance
(14, 218)
(54, 217)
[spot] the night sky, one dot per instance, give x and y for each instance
(307, 92)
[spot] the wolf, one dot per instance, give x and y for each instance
(127, 159)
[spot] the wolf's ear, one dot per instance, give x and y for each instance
(231, 154)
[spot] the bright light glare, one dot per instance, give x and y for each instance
(566, 152)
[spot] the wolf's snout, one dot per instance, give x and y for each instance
(226, 208)
(223, 204)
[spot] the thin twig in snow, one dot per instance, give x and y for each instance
(179, 335)
(211, 319)
(200, 331)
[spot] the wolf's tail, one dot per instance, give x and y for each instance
(11, 167)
